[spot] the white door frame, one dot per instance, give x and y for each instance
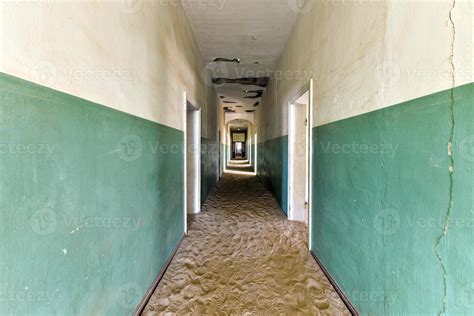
(256, 154)
(249, 151)
(229, 145)
(309, 152)
(197, 194)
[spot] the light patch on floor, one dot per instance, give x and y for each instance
(243, 256)
(242, 167)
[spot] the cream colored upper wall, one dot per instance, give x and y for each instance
(366, 55)
(137, 57)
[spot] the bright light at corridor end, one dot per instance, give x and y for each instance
(240, 172)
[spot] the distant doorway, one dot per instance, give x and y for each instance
(298, 159)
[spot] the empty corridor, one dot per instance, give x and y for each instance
(243, 256)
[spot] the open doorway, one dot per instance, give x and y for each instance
(193, 158)
(299, 158)
(249, 149)
(256, 155)
(239, 160)
(239, 141)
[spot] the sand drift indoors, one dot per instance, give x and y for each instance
(243, 256)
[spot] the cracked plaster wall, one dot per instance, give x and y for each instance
(134, 56)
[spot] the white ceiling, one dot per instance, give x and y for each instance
(251, 30)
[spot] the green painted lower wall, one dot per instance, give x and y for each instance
(381, 191)
(91, 203)
(209, 167)
(272, 168)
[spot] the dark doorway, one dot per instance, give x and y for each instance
(239, 144)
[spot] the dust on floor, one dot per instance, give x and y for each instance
(242, 256)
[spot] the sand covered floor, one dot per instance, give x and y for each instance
(242, 256)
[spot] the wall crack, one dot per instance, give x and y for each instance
(451, 163)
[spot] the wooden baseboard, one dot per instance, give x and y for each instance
(338, 289)
(152, 289)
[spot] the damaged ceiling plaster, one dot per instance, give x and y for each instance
(240, 41)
